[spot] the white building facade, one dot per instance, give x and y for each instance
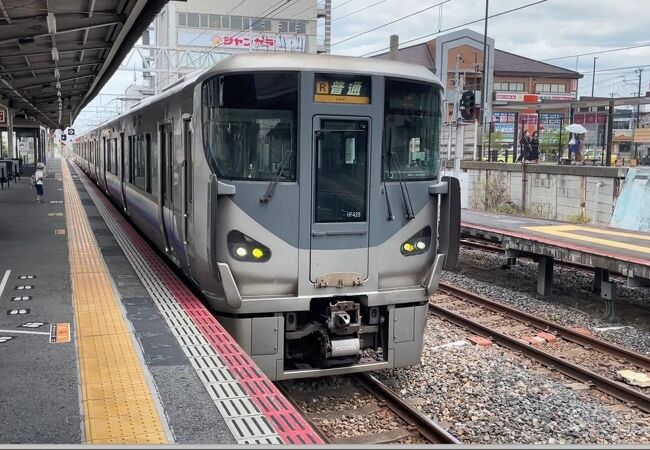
(194, 34)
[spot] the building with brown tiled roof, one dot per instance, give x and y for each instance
(513, 80)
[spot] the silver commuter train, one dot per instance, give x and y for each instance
(301, 194)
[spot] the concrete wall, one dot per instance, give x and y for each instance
(548, 191)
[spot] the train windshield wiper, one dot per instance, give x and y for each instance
(406, 197)
(274, 180)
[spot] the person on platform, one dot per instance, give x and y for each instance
(575, 147)
(533, 155)
(524, 144)
(37, 181)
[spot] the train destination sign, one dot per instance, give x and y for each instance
(342, 89)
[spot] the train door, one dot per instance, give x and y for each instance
(105, 162)
(187, 174)
(339, 221)
(123, 169)
(170, 205)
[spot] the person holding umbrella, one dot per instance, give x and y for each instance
(576, 142)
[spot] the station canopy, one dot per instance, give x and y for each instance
(56, 55)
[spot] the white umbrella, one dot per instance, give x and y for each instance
(576, 128)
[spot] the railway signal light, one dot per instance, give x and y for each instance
(468, 105)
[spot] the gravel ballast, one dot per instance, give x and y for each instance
(572, 302)
(491, 395)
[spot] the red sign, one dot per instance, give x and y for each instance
(3, 115)
(243, 42)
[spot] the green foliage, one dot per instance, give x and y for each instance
(496, 140)
(578, 218)
(549, 141)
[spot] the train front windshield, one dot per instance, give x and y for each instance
(249, 123)
(411, 131)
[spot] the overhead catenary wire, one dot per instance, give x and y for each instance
(528, 5)
(267, 15)
(391, 22)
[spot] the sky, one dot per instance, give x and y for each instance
(550, 29)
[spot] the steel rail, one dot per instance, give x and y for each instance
(428, 428)
(565, 333)
(586, 376)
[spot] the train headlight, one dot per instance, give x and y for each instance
(418, 243)
(245, 248)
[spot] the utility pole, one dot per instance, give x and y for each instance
(460, 141)
(593, 76)
(638, 114)
(484, 99)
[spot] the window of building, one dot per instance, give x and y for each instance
(193, 20)
(214, 21)
(301, 27)
(182, 19)
(236, 22)
(225, 22)
(246, 23)
(260, 24)
(508, 86)
(550, 88)
(203, 22)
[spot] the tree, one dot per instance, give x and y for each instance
(549, 141)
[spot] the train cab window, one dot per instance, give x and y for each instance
(250, 125)
(411, 149)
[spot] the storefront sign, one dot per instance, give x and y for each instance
(3, 114)
(244, 41)
(517, 97)
(558, 97)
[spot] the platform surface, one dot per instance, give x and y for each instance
(608, 242)
(142, 361)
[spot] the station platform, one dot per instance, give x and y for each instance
(101, 342)
(605, 249)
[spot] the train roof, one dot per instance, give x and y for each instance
(242, 62)
(321, 63)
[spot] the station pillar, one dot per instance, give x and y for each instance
(544, 275)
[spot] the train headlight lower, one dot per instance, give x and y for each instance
(418, 243)
(245, 248)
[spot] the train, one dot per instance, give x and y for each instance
(301, 195)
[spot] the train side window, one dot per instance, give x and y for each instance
(129, 141)
(148, 162)
(140, 172)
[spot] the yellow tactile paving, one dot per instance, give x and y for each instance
(567, 231)
(118, 407)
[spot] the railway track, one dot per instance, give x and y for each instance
(382, 416)
(570, 355)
